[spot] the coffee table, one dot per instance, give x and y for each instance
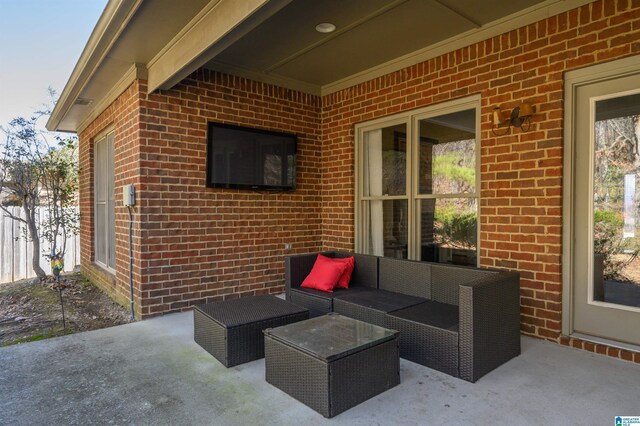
(231, 330)
(332, 363)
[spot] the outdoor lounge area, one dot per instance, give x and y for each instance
(478, 161)
(152, 372)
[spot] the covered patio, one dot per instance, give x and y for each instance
(152, 372)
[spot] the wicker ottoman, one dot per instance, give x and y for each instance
(332, 363)
(231, 330)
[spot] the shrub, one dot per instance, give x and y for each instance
(608, 241)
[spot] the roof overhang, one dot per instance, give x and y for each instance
(273, 41)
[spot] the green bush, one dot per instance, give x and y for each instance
(608, 241)
(458, 229)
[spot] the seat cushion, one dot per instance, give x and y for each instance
(436, 314)
(338, 292)
(380, 300)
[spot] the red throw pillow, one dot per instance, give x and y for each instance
(324, 275)
(343, 282)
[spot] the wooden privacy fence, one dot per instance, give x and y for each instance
(16, 253)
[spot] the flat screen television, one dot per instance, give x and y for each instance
(242, 157)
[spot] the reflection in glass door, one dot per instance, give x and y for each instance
(616, 200)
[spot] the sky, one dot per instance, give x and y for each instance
(40, 43)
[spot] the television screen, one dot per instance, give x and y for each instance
(242, 157)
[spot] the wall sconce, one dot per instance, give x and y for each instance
(520, 117)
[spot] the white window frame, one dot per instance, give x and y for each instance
(411, 119)
(109, 244)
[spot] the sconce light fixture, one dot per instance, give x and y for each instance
(520, 117)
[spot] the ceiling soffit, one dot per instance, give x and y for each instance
(278, 44)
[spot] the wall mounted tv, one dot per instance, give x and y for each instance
(242, 157)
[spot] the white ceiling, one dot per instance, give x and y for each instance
(368, 33)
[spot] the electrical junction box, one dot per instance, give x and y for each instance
(128, 195)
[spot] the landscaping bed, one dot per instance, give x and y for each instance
(30, 309)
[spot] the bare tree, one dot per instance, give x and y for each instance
(39, 169)
(21, 179)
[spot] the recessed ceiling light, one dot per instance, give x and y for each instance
(325, 27)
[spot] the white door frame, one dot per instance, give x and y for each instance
(574, 80)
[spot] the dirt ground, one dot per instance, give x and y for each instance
(31, 310)
(631, 272)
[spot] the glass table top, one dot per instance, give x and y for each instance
(331, 336)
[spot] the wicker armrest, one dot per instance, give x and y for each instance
(296, 269)
(489, 323)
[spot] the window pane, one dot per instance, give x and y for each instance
(386, 232)
(449, 230)
(111, 243)
(104, 201)
(616, 201)
(385, 161)
(111, 211)
(447, 154)
(100, 229)
(99, 171)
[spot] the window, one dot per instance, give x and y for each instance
(417, 182)
(104, 206)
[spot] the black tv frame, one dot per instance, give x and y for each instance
(209, 165)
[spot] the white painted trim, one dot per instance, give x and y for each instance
(184, 31)
(492, 29)
(100, 135)
(567, 207)
(220, 24)
(137, 71)
(112, 22)
(573, 80)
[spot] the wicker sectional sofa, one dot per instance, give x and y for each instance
(458, 320)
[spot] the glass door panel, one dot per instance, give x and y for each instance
(616, 200)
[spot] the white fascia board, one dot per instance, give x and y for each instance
(112, 22)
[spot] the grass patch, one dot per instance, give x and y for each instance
(39, 336)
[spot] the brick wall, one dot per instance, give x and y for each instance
(521, 173)
(201, 244)
(194, 243)
(123, 116)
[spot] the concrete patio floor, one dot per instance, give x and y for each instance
(152, 372)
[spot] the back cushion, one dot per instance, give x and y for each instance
(365, 272)
(445, 281)
(405, 276)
